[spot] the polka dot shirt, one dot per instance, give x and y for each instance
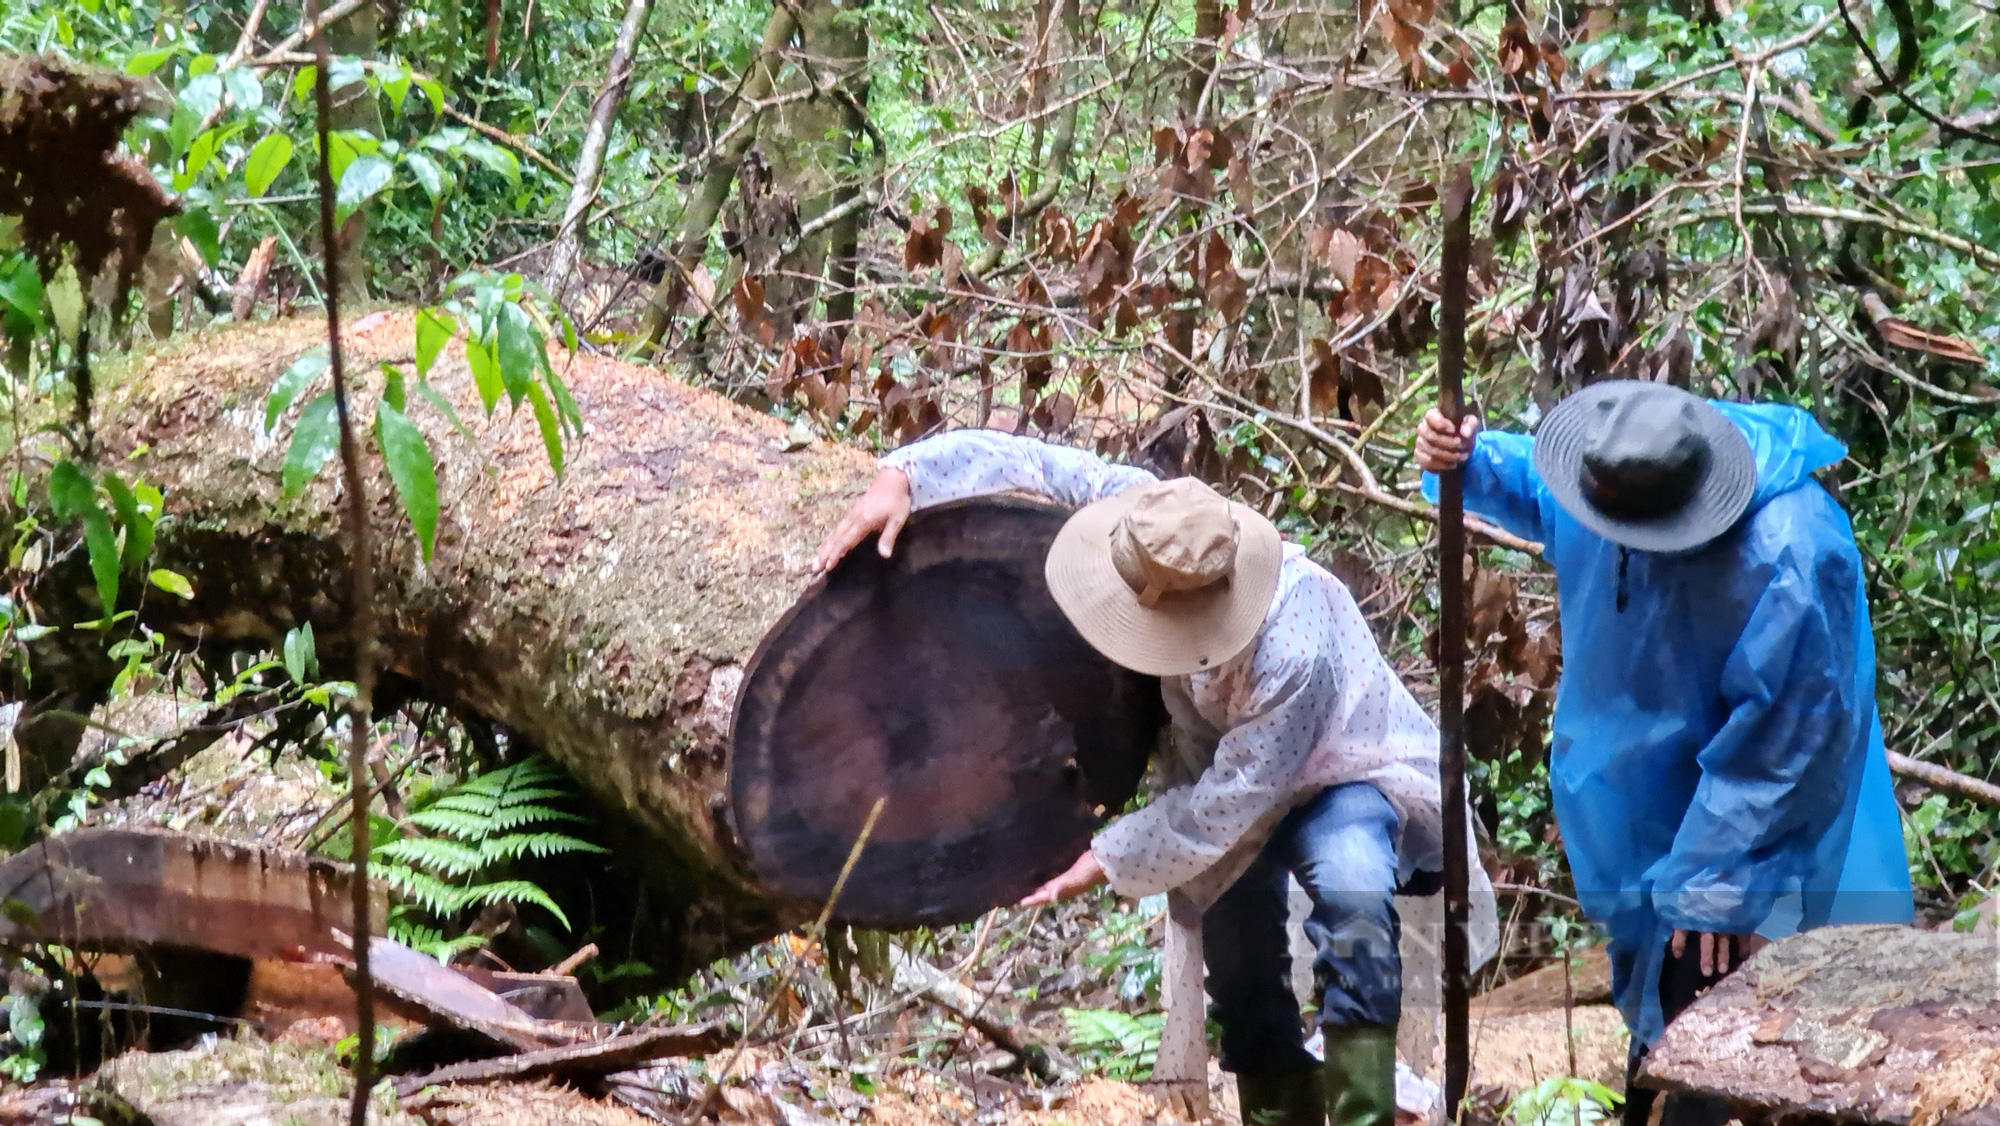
(1311, 703)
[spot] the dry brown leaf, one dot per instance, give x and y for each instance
(1517, 52)
(749, 297)
(1344, 251)
(1058, 235)
(1900, 333)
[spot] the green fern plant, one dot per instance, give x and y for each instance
(476, 830)
(1117, 1045)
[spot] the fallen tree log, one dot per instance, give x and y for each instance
(603, 616)
(1863, 1023)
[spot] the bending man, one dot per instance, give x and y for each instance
(1717, 765)
(1294, 748)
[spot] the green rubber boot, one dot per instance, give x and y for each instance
(1281, 1098)
(1360, 1076)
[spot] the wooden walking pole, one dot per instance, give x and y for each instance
(1451, 644)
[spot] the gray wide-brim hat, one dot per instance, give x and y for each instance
(1717, 501)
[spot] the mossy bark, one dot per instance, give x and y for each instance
(602, 616)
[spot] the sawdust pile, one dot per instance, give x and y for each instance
(519, 1104)
(60, 170)
(1515, 1051)
(1961, 1085)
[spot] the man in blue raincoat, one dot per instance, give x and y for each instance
(1717, 764)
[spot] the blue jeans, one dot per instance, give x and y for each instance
(1341, 846)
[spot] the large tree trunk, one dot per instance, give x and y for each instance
(602, 617)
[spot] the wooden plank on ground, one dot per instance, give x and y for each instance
(576, 1061)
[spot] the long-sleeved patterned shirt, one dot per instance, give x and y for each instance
(1311, 703)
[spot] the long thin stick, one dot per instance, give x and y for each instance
(1451, 645)
(362, 593)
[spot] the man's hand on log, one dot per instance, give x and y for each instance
(1083, 875)
(885, 507)
(1715, 949)
(1440, 447)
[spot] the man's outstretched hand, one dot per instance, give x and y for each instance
(1715, 949)
(885, 507)
(1440, 446)
(1083, 875)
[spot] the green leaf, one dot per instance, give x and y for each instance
(428, 175)
(485, 372)
(172, 583)
(495, 158)
(340, 152)
(246, 92)
(521, 353)
(396, 89)
(301, 654)
(199, 226)
(102, 543)
(291, 384)
(21, 289)
(71, 491)
(408, 457)
(201, 94)
(565, 405)
(146, 62)
(66, 301)
(435, 328)
(199, 153)
(435, 92)
(393, 386)
(314, 441)
(302, 83)
(364, 178)
(262, 167)
(345, 71)
(551, 429)
(137, 521)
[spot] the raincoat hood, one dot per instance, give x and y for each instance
(1715, 760)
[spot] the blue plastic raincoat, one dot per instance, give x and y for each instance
(1717, 764)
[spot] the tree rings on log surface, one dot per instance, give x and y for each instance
(945, 680)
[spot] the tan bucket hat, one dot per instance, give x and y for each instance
(1166, 579)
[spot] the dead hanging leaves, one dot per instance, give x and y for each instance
(1516, 662)
(1188, 161)
(61, 173)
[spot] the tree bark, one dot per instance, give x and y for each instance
(602, 617)
(355, 108)
(596, 141)
(848, 43)
(706, 203)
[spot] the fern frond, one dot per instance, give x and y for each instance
(436, 855)
(455, 823)
(537, 845)
(508, 819)
(432, 894)
(514, 891)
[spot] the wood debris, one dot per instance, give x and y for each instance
(576, 1061)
